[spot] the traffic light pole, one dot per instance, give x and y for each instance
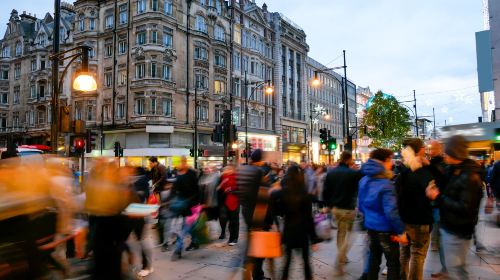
(195, 140)
(246, 119)
(329, 149)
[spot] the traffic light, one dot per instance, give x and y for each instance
(217, 134)
(332, 144)
(118, 150)
(232, 153)
(90, 141)
(200, 152)
(233, 134)
(497, 134)
(79, 145)
(323, 146)
(191, 152)
(323, 135)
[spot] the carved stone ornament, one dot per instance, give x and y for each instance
(170, 55)
(139, 52)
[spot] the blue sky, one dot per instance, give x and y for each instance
(393, 45)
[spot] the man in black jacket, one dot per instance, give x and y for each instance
(458, 205)
(414, 207)
(340, 193)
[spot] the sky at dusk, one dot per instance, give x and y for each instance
(393, 45)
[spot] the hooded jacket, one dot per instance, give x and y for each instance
(459, 203)
(377, 199)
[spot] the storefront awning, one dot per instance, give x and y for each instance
(144, 152)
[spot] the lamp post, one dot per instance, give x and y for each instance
(318, 111)
(83, 82)
(345, 99)
(268, 90)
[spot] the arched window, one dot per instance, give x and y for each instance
(81, 22)
(19, 48)
(219, 33)
(201, 24)
(6, 51)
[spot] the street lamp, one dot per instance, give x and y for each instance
(268, 90)
(84, 82)
(345, 99)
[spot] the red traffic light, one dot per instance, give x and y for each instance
(79, 144)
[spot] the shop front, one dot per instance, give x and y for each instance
(294, 152)
(268, 143)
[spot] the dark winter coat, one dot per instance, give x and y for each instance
(341, 187)
(414, 206)
(437, 168)
(186, 188)
(249, 178)
(459, 203)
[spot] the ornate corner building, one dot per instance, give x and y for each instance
(150, 58)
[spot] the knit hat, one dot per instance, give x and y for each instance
(456, 147)
(416, 144)
(256, 155)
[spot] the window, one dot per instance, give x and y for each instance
(167, 72)
(91, 52)
(62, 35)
(109, 21)
(141, 37)
(153, 70)
(41, 116)
(33, 65)
(42, 63)
(220, 60)
(200, 53)
(167, 40)
(3, 122)
(202, 111)
(106, 109)
(201, 80)
(154, 5)
(168, 7)
(30, 117)
(17, 93)
(5, 51)
(245, 63)
(42, 40)
(122, 47)
(200, 24)
(15, 119)
(81, 22)
(140, 70)
(123, 14)
(203, 2)
(17, 71)
(139, 106)
(123, 77)
(108, 79)
(159, 139)
(141, 6)
(41, 90)
(4, 98)
(154, 37)
(120, 110)
(218, 7)
(236, 61)
(92, 23)
(32, 91)
(220, 87)
(219, 112)
(4, 73)
(108, 50)
(90, 110)
(167, 107)
(237, 90)
(19, 48)
(219, 33)
(153, 106)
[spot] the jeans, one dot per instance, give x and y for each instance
(138, 230)
(233, 217)
(345, 220)
(413, 254)
(380, 243)
(305, 257)
(456, 249)
(179, 244)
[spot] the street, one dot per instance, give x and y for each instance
(216, 261)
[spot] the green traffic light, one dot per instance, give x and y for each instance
(333, 146)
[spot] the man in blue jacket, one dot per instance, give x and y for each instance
(377, 201)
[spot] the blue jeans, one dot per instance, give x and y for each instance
(456, 249)
(179, 244)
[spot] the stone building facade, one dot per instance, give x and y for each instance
(150, 58)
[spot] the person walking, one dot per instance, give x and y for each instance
(377, 202)
(458, 205)
(249, 178)
(229, 206)
(437, 168)
(159, 181)
(414, 207)
(184, 195)
(296, 207)
(340, 192)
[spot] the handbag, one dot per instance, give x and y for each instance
(322, 226)
(264, 244)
